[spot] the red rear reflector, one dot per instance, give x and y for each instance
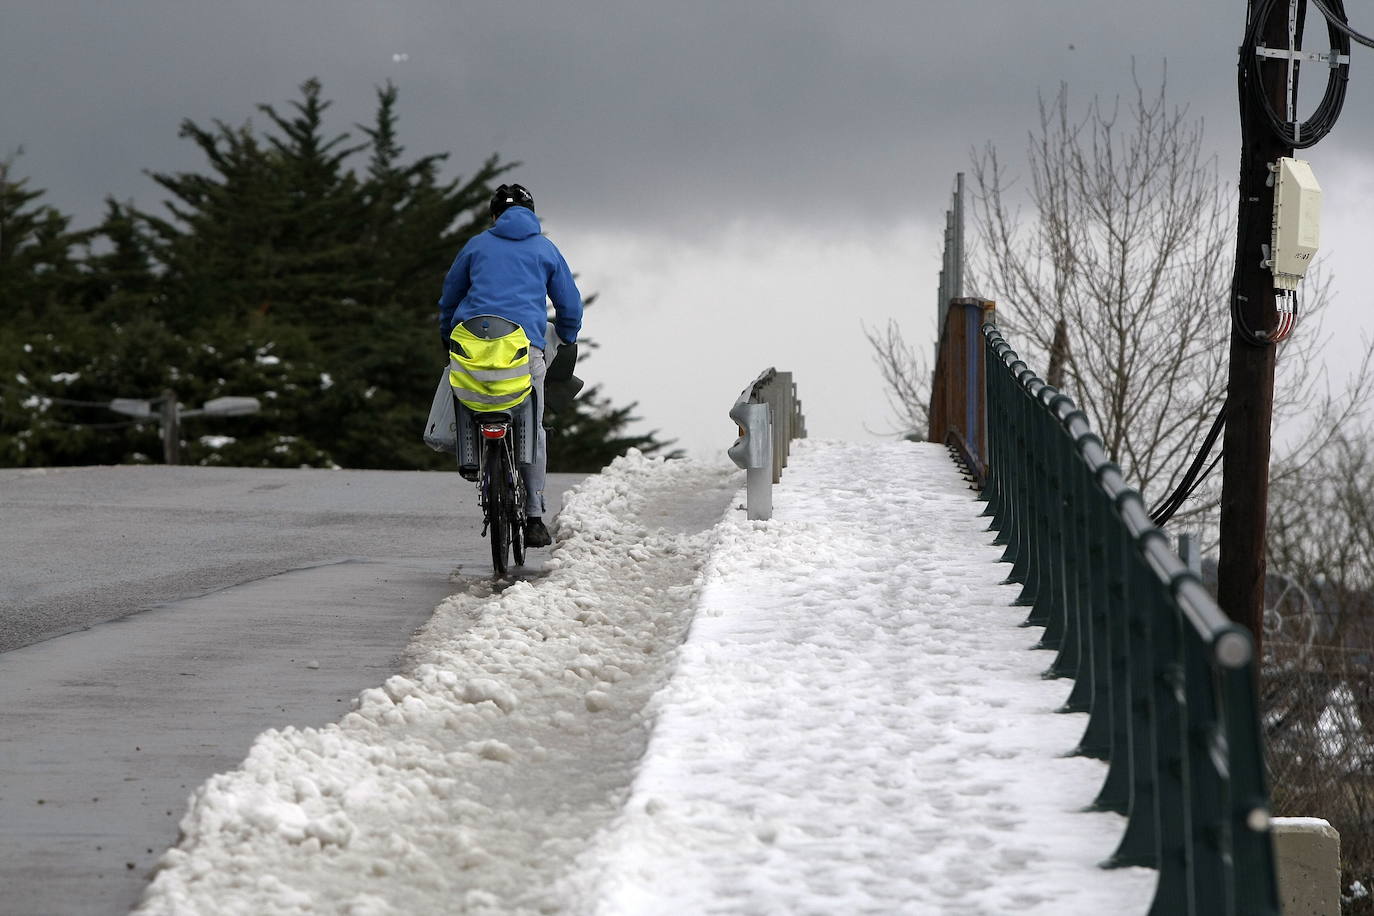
(494, 432)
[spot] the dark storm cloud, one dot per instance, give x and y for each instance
(671, 114)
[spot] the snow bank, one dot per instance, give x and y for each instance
(467, 782)
(857, 723)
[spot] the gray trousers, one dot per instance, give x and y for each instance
(534, 472)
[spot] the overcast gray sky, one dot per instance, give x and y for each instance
(743, 182)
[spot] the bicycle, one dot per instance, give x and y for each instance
(492, 445)
(501, 490)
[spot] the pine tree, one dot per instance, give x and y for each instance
(286, 237)
(275, 233)
(38, 265)
(416, 225)
(279, 271)
(39, 273)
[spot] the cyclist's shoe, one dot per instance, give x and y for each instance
(536, 535)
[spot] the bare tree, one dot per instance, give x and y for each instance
(1318, 692)
(1321, 533)
(906, 380)
(1121, 278)
(1127, 248)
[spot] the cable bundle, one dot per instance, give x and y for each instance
(1309, 132)
(1166, 507)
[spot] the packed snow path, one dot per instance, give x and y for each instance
(841, 712)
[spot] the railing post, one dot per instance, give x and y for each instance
(1076, 655)
(1117, 790)
(1171, 771)
(1098, 736)
(994, 424)
(1099, 578)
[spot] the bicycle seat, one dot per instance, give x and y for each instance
(493, 416)
(489, 327)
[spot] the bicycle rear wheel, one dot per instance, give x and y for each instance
(497, 504)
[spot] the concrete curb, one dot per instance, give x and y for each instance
(1307, 853)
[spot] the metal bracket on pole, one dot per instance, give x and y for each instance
(1330, 58)
(753, 451)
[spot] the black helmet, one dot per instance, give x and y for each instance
(510, 195)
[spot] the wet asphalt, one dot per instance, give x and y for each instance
(153, 620)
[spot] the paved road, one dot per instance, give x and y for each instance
(154, 620)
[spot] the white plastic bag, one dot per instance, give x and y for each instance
(441, 430)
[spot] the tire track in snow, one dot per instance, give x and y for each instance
(471, 781)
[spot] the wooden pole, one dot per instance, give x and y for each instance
(1250, 389)
(171, 432)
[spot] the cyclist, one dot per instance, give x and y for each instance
(508, 271)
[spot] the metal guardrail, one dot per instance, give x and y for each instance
(769, 416)
(1167, 678)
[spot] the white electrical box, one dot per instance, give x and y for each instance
(1297, 222)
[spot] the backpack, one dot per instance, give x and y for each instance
(489, 373)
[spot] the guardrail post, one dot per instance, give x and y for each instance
(768, 414)
(753, 451)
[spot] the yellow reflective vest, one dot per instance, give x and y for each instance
(489, 375)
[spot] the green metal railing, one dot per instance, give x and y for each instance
(1167, 679)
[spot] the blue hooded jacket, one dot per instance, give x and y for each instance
(507, 271)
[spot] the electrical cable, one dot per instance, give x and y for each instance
(1341, 25)
(120, 424)
(1288, 316)
(1254, 338)
(1252, 87)
(1164, 519)
(1166, 507)
(1328, 110)
(53, 399)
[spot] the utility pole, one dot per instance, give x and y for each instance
(171, 428)
(1250, 388)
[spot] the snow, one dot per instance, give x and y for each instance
(1309, 823)
(1339, 723)
(463, 783)
(217, 441)
(834, 711)
(857, 725)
